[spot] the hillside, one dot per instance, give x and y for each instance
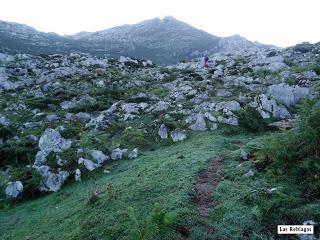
(166, 40)
(101, 148)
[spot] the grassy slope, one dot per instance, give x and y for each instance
(155, 177)
(247, 209)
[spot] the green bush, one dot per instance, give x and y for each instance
(135, 138)
(297, 151)
(17, 153)
(155, 224)
(30, 180)
(131, 64)
(292, 80)
(251, 120)
(160, 92)
(41, 103)
(262, 73)
(308, 67)
(6, 132)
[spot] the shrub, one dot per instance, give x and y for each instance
(30, 179)
(6, 132)
(135, 138)
(262, 73)
(92, 196)
(132, 64)
(303, 47)
(292, 81)
(157, 222)
(41, 103)
(160, 92)
(308, 67)
(251, 120)
(17, 153)
(297, 151)
(63, 94)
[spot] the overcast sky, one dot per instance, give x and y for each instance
(279, 22)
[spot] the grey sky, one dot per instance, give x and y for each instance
(279, 22)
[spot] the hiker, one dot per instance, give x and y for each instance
(206, 59)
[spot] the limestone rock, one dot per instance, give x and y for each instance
(118, 153)
(162, 132)
(90, 165)
(50, 140)
(134, 153)
(51, 182)
(13, 189)
(288, 95)
(4, 121)
(267, 107)
(98, 156)
(200, 124)
(178, 135)
(77, 175)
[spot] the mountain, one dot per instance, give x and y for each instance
(21, 38)
(166, 40)
(162, 40)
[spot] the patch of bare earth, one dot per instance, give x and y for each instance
(207, 180)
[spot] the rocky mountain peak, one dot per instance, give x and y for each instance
(165, 40)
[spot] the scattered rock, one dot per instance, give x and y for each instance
(269, 107)
(288, 95)
(178, 135)
(90, 165)
(214, 126)
(200, 124)
(249, 174)
(52, 118)
(223, 93)
(13, 189)
(118, 153)
(162, 132)
(98, 156)
(50, 140)
(51, 182)
(134, 153)
(244, 155)
(210, 117)
(77, 175)
(4, 121)
(161, 107)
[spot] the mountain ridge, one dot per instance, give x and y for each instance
(165, 40)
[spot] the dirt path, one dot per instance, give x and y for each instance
(207, 180)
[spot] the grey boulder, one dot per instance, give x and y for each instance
(90, 165)
(163, 132)
(178, 135)
(288, 95)
(118, 153)
(51, 182)
(98, 156)
(134, 153)
(200, 124)
(77, 175)
(50, 141)
(13, 189)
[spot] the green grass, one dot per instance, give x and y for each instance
(246, 210)
(155, 177)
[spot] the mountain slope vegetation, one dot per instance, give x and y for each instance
(121, 148)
